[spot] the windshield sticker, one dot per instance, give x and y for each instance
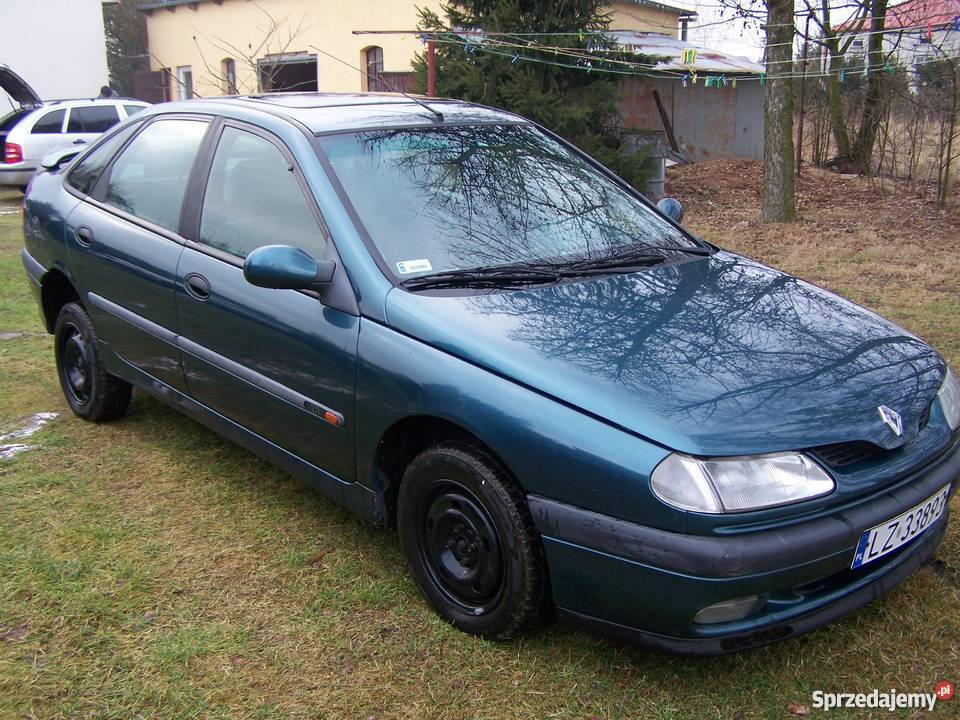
(405, 267)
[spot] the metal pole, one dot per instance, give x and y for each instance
(431, 68)
(803, 95)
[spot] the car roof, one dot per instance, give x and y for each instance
(337, 112)
(78, 102)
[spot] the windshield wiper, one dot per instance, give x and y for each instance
(510, 276)
(700, 248)
(498, 276)
(692, 250)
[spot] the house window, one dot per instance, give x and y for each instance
(229, 68)
(184, 89)
(374, 62)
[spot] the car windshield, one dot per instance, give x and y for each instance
(456, 198)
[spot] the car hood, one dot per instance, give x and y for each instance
(711, 356)
(17, 88)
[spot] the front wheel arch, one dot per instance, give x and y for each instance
(405, 440)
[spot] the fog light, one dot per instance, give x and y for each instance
(729, 610)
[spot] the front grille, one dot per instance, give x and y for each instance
(848, 453)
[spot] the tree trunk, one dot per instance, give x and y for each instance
(838, 122)
(873, 100)
(778, 189)
(831, 83)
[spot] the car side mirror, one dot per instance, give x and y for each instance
(55, 160)
(285, 267)
(672, 208)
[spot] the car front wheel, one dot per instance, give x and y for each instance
(470, 542)
(92, 393)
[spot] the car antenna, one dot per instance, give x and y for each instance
(393, 88)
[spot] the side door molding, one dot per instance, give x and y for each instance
(262, 382)
(138, 321)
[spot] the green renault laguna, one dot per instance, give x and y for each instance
(458, 325)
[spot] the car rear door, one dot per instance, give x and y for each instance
(45, 134)
(278, 362)
(124, 242)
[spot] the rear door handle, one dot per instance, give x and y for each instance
(197, 286)
(79, 142)
(84, 235)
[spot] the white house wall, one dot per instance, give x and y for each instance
(57, 46)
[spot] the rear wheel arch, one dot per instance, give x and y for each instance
(56, 291)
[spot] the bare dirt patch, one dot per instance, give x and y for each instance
(882, 245)
(727, 192)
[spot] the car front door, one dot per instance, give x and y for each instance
(278, 362)
(85, 123)
(124, 241)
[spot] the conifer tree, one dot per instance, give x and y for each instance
(575, 103)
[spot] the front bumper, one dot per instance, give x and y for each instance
(645, 585)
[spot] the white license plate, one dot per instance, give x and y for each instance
(897, 532)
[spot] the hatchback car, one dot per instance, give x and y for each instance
(35, 128)
(453, 322)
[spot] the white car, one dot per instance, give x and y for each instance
(37, 128)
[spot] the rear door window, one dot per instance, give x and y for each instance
(92, 119)
(49, 124)
(253, 199)
(149, 178)
(84, 176)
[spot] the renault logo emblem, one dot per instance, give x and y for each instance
(892, 419)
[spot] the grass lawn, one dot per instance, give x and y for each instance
(150, 569)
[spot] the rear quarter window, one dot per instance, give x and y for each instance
(11, 119)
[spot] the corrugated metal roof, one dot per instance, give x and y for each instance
(707, 60)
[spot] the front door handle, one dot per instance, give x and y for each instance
(79, 142)
(84, 235)
(197, 286)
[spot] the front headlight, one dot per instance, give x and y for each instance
(728, 485)
(950, 399)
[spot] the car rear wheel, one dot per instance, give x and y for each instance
(470, 542)
(92, 393)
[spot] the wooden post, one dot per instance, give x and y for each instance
(431, 68)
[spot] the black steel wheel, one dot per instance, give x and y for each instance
(470, 542)
(91, 392)
(76, 368)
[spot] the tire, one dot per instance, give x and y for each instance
(91, 392)
(470, 542)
